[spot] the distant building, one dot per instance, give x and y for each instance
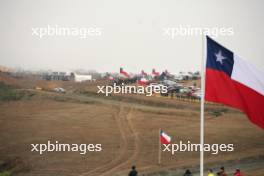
(57, 76)
(66, 76)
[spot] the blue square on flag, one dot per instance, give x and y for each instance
(218, 57)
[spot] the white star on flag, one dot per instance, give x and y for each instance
(219, 57)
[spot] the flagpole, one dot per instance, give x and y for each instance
(202, 107)
(159, 153)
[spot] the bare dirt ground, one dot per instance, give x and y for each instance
(128, 132)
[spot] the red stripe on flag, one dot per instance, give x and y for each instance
(220, 88)
(124, 73)
(163, 140)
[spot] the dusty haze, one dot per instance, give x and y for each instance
(132, 33)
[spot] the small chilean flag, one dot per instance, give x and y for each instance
(232, 81)
(154, 73)
(143, 81)
(143, 73)
(164, 138)
(111, 78)
(124, 72)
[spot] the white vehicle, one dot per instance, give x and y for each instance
(169, 83)
(185, 90)
(59, 89)
(197, 94)
(178, 78)
(191, 88)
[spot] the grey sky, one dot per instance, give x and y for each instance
(132, 33)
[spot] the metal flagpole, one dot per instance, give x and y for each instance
(202, 107)
(159, 154)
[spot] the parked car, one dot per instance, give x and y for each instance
(59, 89)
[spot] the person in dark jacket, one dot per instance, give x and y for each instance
(222, 172)
(187, 173)
(133, 172)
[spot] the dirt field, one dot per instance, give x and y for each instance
(128, 132)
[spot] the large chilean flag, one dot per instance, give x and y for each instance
(232, 81)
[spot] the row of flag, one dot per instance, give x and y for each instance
(143, 73)
(143, 76)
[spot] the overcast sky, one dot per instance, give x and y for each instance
(132, 33)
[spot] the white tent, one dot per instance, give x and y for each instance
(81, 78)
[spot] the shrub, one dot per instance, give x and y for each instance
(9, 93)
(5, 173)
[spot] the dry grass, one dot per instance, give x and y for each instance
(126, 126)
